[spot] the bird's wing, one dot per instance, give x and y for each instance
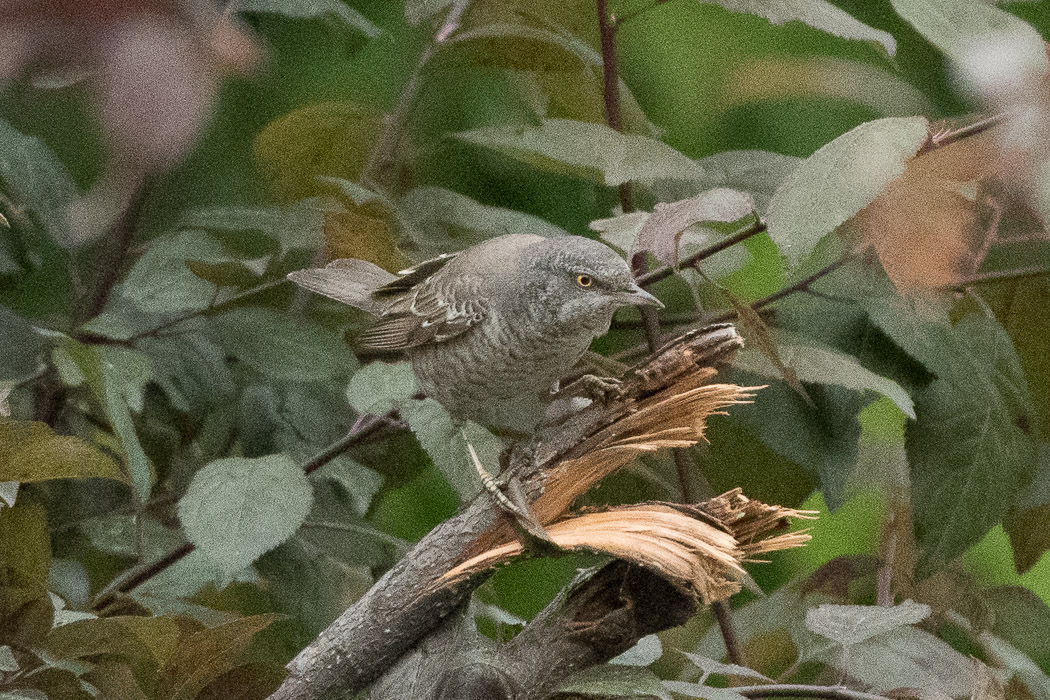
(430, 303)
(348, 280)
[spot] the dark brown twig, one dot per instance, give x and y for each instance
(998, 276)
(611, 87)
(94, 338)
(790, 690)
(111, 262)
(385, 153)
(660, 273)
(725, 626)
(801, 286)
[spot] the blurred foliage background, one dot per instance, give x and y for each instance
(200, 354)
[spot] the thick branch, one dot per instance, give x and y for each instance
(601, 614)
(594, 622)
(411, 599)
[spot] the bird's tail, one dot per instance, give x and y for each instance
(348, 280)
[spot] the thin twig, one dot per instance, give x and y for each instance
(611, 87)
(364, 429)
(111, 262)
(791, 690)
(743, 234)
(153, 332)
(800, 286)
(385, 152)
(998, 276)
(725, 625)
(950, 136)
(613, 117)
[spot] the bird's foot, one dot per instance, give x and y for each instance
(511, 500)
(592, 387)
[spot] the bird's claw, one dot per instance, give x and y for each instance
(593, 387)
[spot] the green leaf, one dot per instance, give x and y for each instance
(839, 180)
(25, 554)
(906, 657)
(22, 347)
(1006, 655)
(190, 367)
(36, 179)
(160, 282)
(115, 680)
(8, 663)
(445, 221)
(129, 371)
(330, 138)
(970, 449)
(377, 386)
(418, 10)
(311, 9)
(521, 47)
(818, 14)
(817, 363)
(359, 483)
(590, 151)
(710, 666)
(968, 31)
(298, 226)
(759, 173)
(615, 682)
(237, 509)
(1020, 617)
(144, 643)
(115, 377)
(32, 451)
(853, 624)
(821, 437)
(645, 651)
(1024, 310)
(275, 345)
(446, 444)
(1026, 521)
(205, 656)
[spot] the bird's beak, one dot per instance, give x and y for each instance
(636, 296)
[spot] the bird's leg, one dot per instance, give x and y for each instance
(593, 387)
(533, 537)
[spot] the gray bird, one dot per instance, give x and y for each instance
(490, 330)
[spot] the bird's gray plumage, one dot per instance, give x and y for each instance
(491, 329)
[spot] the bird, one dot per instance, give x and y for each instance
(491, 330)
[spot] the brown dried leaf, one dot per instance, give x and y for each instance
(663, 229)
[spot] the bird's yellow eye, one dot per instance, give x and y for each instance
(584, 280)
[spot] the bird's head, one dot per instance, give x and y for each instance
(578, 280)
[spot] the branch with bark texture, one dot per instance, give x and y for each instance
(412, 599)
(601, 614)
